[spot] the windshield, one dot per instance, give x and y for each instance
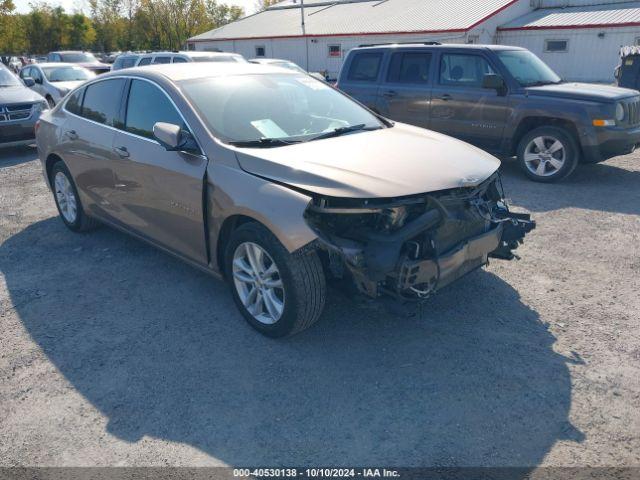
(8, 79)
(67, 74)
(286, 107)
(78, 57)
(528, 69)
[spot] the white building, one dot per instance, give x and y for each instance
(579, 38)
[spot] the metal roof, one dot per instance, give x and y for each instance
(592, 16)
(360, 17)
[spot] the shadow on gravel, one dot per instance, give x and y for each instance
(10, 157)
(159, 349)
(602, 187)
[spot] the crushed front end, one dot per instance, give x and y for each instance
(413, 246)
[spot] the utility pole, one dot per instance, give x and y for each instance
(304, 35)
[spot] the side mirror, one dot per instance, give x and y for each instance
(29, 82)
(494, 82)
(173, 138)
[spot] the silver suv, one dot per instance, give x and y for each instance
(275, 181)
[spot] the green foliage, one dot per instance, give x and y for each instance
(111, 25)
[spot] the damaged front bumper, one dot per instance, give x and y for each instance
(412, 247)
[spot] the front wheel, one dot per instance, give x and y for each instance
(277, 292)
(548, 154)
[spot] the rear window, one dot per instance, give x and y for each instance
(102, 101)
(409, 67)
(365, 67)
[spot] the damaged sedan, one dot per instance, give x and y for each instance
(276, 182)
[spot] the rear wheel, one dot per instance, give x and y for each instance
(277, 292)
(548, 154)
(68, 201)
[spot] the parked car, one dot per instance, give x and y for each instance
(276, 62)
(125, 60)
(20, 108)
(504, 100)
(628, 72)
(84, 59)
(275, 181)
(184, 57)
(54, 80)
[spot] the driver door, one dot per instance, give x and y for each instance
(158, 193)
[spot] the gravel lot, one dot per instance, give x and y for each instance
(113, 353)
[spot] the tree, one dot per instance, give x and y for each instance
(262, 5)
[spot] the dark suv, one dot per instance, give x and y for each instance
(502, 99)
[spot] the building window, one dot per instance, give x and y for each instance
(335, 51)
(472, 39)
(191, 46)
(260, 51)
(556, 46)
(638, 41)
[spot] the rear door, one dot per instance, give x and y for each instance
(158, 193)
(405, 92)
(460, 107)
(87, 140)
(363, 73)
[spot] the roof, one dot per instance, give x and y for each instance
(177, 72)
(593, 16)
(360, 17)
(53, 65)
(457, 46)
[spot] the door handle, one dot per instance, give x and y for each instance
(71, 135)
(446, 97)
(121, 151)
(390, 93)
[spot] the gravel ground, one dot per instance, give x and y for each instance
(113, 353)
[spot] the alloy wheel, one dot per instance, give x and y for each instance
(258, 283)
(65, 197)
(545, 156)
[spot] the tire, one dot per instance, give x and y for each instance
(50, 102)
(80, 221)
(303, 291)
(548, 154)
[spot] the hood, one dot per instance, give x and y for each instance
(19, 94)
(583, 91)
(387, 163)
(68, 86)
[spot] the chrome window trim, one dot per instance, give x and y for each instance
(131, 77)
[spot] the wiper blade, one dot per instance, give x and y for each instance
(343, 130)
(263, 143)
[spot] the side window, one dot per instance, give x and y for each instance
(409, 67)
(365, 67)
(463, 70)
(25, 72)
(145, 61)
(179, 60)
(146, 105)
(161, 60)
(74, 104)
(102, 101)
(128, 62)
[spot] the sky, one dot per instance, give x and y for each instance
(23, 5)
